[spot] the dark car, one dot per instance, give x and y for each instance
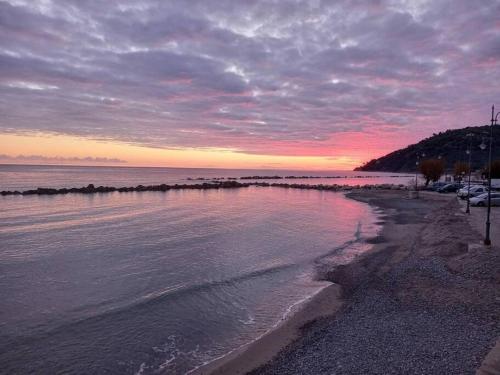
(437, 185)
(450, 188)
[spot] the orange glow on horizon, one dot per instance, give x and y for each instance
(67, 147)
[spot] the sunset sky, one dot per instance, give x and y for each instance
(240, 84)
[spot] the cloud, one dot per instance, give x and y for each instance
(58, 159)
(261, 77)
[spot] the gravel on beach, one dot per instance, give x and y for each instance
(434, 312)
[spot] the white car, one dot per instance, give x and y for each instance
(482, 200)
(475, 190)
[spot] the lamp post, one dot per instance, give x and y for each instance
(469, 152)
(487, 240)
(440, 157)
(416, 170)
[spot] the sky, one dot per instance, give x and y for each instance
(290, 84)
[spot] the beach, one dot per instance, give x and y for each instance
(424, 299)
(340, 279)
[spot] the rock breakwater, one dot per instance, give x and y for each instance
(91, 189)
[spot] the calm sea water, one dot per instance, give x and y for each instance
(23, 177)
(157, 282)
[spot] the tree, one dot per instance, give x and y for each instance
(461, 168)
(432, 169)
(495, 169)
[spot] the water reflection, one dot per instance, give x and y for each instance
(119, 282)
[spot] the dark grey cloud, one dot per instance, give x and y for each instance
(285, 77)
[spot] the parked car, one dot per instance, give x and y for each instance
(474, 191)
(482, 200)
(450, 188)
(437, 185)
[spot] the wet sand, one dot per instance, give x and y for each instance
(262, 350)
(425, 299)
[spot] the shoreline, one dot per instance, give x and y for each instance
(262, 349)
(321, 305)
(407, 239)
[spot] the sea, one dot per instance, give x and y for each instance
(162, 282)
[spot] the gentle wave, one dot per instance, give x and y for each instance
(161, 296)
(178, 290)
(215, 270)
(286, 315)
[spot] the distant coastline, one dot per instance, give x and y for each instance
(450, 146)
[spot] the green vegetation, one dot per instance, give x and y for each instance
(450, 145)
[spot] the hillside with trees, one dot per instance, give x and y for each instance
(449, 146)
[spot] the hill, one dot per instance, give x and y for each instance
(451, 145)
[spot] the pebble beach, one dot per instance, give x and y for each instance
(424, 300)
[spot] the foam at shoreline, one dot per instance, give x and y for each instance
(324, 302)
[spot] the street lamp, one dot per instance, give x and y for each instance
(487, 240)
(416, 170)
(440, 157)
(469, 152)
